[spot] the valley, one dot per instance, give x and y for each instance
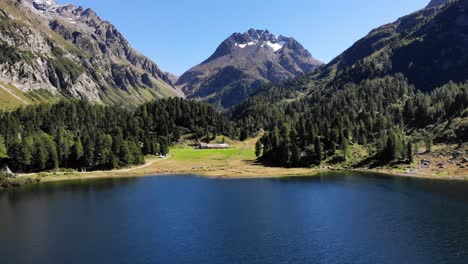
(247, 148)
(77, 97)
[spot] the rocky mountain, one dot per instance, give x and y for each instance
(243, 63)
(429, 47)
(51, 50)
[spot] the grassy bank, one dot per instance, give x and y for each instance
(237, 162)
(240, 162)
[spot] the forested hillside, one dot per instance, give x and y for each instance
(385, 115)
(81, 135)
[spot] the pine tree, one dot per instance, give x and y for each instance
(333, 148)
(40, 156)
(276, 137)
(409, 152)
(3, 149)
(345, 148)
(163, 147)
(284, 154)
(126, 156)
(295, 155)
(26, 152)
(428, 143)
(77, 151)
(318, 150)
(243, 135)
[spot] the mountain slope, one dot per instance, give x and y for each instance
(243, 63)
(67, 51)
(430, 42)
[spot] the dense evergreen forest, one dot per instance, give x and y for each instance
(85, 136)
(385, 115)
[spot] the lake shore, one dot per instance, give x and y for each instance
(226, 164)
(239, 162)
(272, 172)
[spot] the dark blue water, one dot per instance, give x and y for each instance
(182, 219)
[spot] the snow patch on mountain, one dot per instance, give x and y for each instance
(274, 45)
(41, 6)
(243, 45)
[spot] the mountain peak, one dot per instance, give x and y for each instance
(243, 63)
(260, 35)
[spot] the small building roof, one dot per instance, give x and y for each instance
(206, 145)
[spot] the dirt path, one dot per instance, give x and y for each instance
(148, 164)
(143, 166)
(14, 95)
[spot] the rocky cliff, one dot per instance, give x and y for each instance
(68, 51)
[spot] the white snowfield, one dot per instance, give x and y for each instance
(48, 3)
(275, 46)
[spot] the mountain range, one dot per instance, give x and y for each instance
(51, 51)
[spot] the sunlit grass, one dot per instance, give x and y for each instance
(192, 155)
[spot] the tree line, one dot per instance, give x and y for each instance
(385, 115)
(82, 135)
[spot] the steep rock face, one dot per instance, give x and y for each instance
(71, 52)
(243, 63)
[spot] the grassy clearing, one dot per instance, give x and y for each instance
(237, 162)
(213, 155)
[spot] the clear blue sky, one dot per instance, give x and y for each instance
(178, 34)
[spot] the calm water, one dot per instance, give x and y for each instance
(183, 219)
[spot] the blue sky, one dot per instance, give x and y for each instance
(178, 34)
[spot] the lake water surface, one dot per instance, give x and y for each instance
(335, 218)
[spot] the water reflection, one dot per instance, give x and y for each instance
(50, 189)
